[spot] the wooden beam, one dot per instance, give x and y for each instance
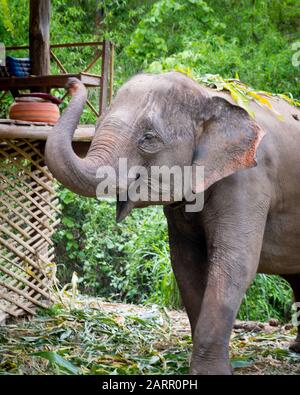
(64, 45)
(47, 81)
(97, 57)
(78, 44)
(83, 133)
(92, 108)
(58, 62)
(39, 36)
(104, 76)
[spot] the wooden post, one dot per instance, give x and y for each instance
(104, 76)
(112, 63)
(39, 36)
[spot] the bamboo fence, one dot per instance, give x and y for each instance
(28, 217)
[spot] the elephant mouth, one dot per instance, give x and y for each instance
(129, 201)
(124, 208)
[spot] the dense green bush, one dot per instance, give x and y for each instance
(268, 297)
(127, 261)
(251, 38)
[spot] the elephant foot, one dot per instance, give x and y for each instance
(295, 346)
(211, 371)
(208, 369)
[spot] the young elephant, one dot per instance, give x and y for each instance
(250, 221)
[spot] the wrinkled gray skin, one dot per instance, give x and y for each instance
(251, 217)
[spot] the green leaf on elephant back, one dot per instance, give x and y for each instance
(241, 93)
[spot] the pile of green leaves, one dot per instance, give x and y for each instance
(88, 340)
(94, 338)
(241, 93)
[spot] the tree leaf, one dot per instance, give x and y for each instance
(261, 99)
(241, 363)
(56, 359)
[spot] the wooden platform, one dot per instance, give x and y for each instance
(12, 129)
(47, 81)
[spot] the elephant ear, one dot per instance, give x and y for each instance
(227, 144)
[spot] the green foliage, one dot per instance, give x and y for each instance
(4, 8)
(268, 297)
(156, 36)
(251, 38)
(127, 261)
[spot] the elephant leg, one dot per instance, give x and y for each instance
(294, 281)
(234, 244)
(189, 263)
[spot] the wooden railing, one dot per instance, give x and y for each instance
(104, 52)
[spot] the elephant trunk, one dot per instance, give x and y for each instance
(77, 174)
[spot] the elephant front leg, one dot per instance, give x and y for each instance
(233, 255)
(189, 263)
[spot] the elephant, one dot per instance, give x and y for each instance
(250, 219)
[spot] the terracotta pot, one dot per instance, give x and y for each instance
(35, 110)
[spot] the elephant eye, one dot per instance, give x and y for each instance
(150, 142)
(149, 135)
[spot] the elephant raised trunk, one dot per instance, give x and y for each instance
(77, 174)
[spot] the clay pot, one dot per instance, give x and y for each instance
(34, 110)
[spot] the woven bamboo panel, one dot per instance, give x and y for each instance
(28, 216)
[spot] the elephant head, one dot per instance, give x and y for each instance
(155, 120)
